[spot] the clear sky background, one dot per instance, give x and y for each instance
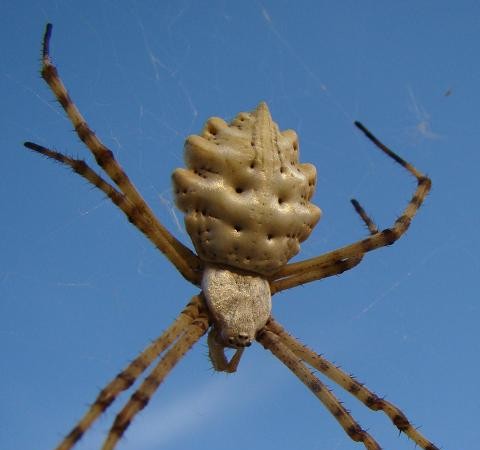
(82, 291)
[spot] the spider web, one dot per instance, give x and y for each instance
(145, 77)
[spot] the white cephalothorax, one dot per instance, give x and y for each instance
(240, 304)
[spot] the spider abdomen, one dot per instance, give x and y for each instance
(245, 196)
(240, 304)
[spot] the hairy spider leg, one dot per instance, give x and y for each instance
(195, 308)
(317, 267)
(272, 342)
(187, 263)
(350, 384)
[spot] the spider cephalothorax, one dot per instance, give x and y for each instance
(247, 204)
(240, 305)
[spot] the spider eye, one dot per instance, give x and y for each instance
(239, 340)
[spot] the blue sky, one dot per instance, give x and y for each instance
(82, 292)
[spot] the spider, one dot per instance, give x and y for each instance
(259, 172)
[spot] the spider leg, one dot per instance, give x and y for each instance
(216, 353)
(271, 341)
(347, 382)
(317, 273)
(380, 239)
(182, 257)
(144, 393)
(328, 269)
(133, 214)
(128, 375)
(364, 216)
